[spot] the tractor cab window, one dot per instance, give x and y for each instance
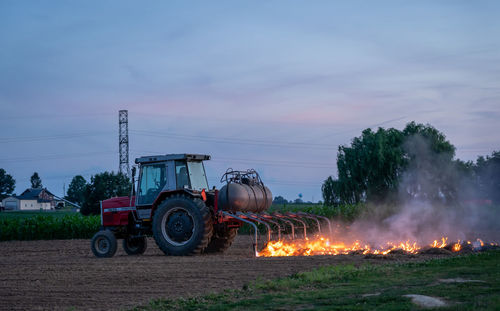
(181, 175)
(153, 180)
(197, 175)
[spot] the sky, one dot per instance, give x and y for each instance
(271, 85)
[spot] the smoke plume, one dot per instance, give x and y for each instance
(435, 200)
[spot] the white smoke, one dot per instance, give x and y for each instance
(432, 205)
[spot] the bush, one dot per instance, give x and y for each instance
(46, 227)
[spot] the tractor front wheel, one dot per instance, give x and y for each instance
(135, 246)
(104, 244)
(182, 226)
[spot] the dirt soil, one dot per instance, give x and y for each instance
(64, 274)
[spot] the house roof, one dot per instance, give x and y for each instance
(34, 194)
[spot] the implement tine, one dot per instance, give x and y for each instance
(282, 218)
(269, 218)
(327, 220)
(297, 218)
(257, 219)
(313, 217)
(255, 248)
(287, 218)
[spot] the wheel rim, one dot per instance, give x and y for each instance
(102, 245)
(177, 226)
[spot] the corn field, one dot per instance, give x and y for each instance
(48, 227)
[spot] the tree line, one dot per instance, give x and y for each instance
(87, 195)
(280, 200)
(418, 162)
(100, 187)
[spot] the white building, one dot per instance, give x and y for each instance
(31, 199)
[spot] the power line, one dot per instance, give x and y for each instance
(359, 130)
(237, 141)
(282, 182)
(55, 156)
(48, 137)
(253, 161)
(53, 116)
(276, 162)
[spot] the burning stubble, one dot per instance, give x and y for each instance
(437, 208)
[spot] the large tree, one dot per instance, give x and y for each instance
(383, 165)
(369, 169)
(7, 184)
(104, 186)
(76, 190)
(36, 181)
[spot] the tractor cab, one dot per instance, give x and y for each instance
(164, 174)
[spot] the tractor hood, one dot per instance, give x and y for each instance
(118, 202)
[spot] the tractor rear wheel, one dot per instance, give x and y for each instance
(104, 244)
(222, 239)
(182, 226)
(135, 246)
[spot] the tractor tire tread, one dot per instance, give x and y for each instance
(110, 236)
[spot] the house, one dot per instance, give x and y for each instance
(31, 199)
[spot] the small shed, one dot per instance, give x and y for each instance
(10, 203)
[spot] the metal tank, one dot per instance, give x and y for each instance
(244, 192)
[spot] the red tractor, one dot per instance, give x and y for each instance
(175, 205)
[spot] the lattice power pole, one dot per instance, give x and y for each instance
(123, 139)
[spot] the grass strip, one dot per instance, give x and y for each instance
(470, 282)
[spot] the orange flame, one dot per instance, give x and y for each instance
(436, 244)
(321, 245)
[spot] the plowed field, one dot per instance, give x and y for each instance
(63, 274)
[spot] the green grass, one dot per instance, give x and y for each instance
(343, 288)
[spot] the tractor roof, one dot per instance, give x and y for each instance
(168, 157)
